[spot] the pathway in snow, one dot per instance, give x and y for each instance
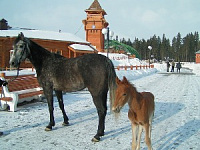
(176, 123)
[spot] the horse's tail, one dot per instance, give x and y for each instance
(111, 82)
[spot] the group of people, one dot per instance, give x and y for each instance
(178, 66)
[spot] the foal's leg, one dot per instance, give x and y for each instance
(147, 138)
(150, 125)
(140, 128)
(100, 102)
(61, 105)
(134, 136)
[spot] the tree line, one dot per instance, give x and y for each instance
(179, 49)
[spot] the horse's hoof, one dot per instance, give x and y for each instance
(95, 139)
(48, 129)
(65, 124)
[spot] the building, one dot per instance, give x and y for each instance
(4, 24)
(198, 56)
(65, 44)
(94, 23)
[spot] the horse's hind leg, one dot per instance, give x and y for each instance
(100, 102)
(61, 105)
(147, 137)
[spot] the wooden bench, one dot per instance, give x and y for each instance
(23, 88)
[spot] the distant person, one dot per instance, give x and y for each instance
(168, 65)
(178, 66)
(2, 83)
(173, 65)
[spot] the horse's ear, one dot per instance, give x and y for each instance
(117, 80)
(21, 36)
(125, 80)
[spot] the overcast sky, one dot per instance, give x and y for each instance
(127, 18)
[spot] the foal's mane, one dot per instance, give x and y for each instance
(130, 85)
(137, 95)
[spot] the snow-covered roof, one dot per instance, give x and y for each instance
(47, 35)
(198, 52)
(82, 47)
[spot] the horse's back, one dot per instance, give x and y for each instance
(148, 98)
(94, 69)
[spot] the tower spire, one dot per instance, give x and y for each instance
(94, 23)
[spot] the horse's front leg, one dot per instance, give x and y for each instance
(134, 136)
(101, 105)
(48, 92)
(61, 105)
(140, 129)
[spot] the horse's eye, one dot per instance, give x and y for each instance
(124, 94)
(21, 46)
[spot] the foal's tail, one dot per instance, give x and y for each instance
(111, 82)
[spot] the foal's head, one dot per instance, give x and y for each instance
(122, 94)
(21, 50)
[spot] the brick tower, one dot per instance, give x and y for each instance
(94, 23)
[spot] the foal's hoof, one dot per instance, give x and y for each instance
(48, 128)
(95, 139)
(65, 124)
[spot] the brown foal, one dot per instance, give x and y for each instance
(141, 110)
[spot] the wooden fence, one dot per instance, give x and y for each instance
(134, 67)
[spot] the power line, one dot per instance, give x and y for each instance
(79, 29)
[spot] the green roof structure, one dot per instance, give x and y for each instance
(117, 46)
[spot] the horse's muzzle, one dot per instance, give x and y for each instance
(116, 110)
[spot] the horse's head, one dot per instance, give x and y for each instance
(122, 94)
(21, 50)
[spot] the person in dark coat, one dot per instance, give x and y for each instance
(168, 65)
(178, 66)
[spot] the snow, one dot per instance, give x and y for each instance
(39, 34)
(123, 60)
(82, 47)
(176, 124)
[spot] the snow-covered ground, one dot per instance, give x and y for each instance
(176, 124)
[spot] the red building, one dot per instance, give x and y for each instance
(65, 44)
(198, 56)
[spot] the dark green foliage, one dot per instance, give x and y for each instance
(180, 49)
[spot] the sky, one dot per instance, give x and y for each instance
(127, 18)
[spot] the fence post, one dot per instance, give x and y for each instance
(131, 67)
(117, 67)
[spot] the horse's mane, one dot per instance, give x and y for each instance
(137, 94)
(132, 86)
(42, 49)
